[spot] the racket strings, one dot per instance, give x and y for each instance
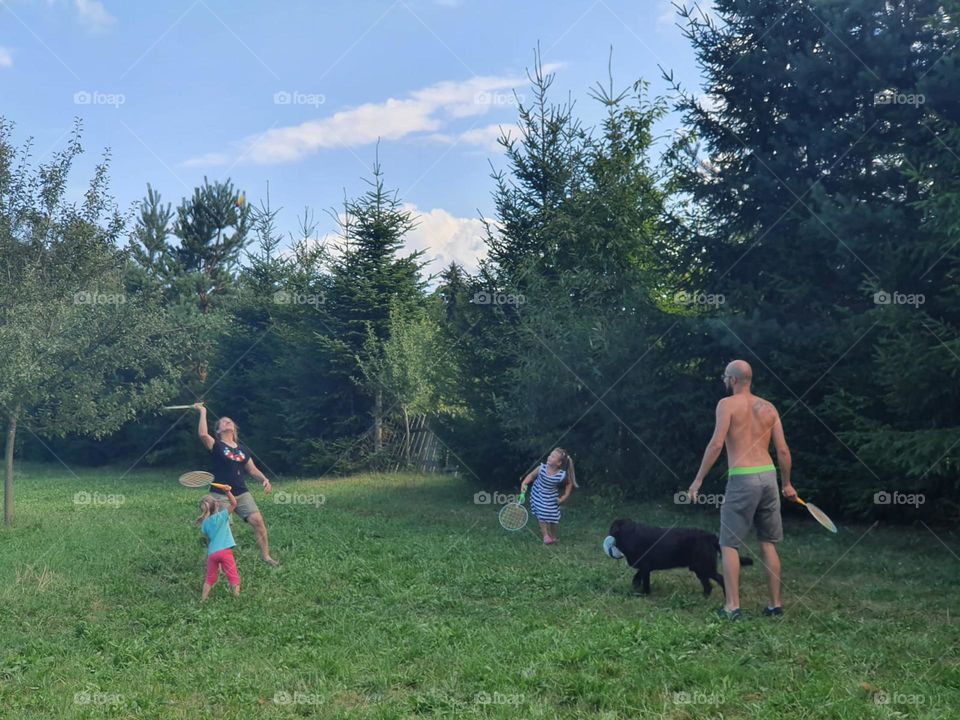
(821, 517)
(513, 516)
(195, 479)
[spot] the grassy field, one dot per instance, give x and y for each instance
(400, 597)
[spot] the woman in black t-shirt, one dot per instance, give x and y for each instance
(231, 462)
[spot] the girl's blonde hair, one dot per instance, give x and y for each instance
(208, 506)
(236, 428)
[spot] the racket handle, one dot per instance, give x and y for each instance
(523, 496)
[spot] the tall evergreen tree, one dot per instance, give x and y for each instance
(805, 211)
(368, 277)
(566, 305)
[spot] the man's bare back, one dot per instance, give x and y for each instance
(752, 420)
(746, 424)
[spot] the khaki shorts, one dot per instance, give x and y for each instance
(751, 500)
(246, 505)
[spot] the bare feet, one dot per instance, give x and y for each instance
(270, 561)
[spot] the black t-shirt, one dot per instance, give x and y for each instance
(228, 464)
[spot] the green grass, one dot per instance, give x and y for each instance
(399, 597)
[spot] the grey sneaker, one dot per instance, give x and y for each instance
(725, 614)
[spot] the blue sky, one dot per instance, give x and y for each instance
(296, 93)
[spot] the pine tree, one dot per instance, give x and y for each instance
(368, 277)
(802, 208)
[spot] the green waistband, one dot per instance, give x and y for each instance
(750, 470)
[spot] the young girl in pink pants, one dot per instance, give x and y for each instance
(214, 522)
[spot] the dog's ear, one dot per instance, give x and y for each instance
(617, 524)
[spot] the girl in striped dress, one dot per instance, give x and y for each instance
(545, 498)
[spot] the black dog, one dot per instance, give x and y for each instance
(652, 548)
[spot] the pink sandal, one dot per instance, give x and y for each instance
(547, 540)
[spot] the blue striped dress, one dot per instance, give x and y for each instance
(544, 495)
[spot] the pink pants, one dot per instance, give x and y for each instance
(222, 558)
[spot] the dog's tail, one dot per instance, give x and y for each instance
(745, 561)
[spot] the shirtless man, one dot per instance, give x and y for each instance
(746, 424)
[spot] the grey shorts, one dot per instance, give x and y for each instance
(751, 500)
(246, 505)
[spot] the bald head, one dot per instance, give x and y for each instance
(741, 371)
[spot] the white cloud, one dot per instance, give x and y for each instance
(214, 159)
(711, 103)
(94, 15)
(485, 138)
(429, 110)
(446, 238)
(6, 57)
(443, 237)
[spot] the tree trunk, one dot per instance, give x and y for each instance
(406, 437)
(8, 478)
(378, 422)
